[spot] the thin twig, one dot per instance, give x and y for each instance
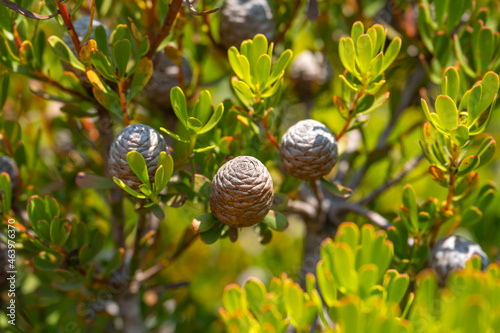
(408, 167)
(173, 10)
(374, 217)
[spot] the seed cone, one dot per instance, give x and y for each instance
(451, 253)
(165, 77)
(308, 150)
(243, 19)
(137, 137)
(9, 166)
(242, 192)
(309, 72)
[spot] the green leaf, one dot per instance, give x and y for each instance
(348, 232)
(101, 39)
(243, 92)
(127, 189)
(440, 8)
(461, 57)
(109, 100)
(59, 231)
(396, 286)
(460, 135)
(473, 105)
(344, 260)
(232, 299)
(357, 30)
(347, 55)
(212, 235)
(203, 107)
(164, 171)
(450, 84)
(194, 125)
(489, 84)
(364, 103)
(5, 193)
(276, 221)
(391, 53)
(63, 51)
(483, 54)
(45, 263)
(174, 136)
(121, 52)
(326, 284)
(486, 150)
(102, 64)
(442, 48)
(142, 75)
(467, 165)
(138, 165)
(255, 294)
(410, 203)
(4, 88)
(376, 65)
(179, 105)
(258, 48)
(214, 119)
(280, 66)
(364, 50)
(336, 189)
(89, 251)
(232, 55)
(447, 112)
(471, 216)
(368, 277)
(204, 222)
(263, 69)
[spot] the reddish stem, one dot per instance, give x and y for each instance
(63, 10)
(173, 10)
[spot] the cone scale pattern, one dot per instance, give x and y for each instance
(309, 72)
(242, 192)
(451, 253)
(137, 137)
(243, 19)
(308, 150)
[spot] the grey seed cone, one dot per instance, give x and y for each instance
(309, 72)
(137, 137)
(308, 150)
(243, 19)
(9, 166)
(451, 253)
(242, 192)
(81, 27)
(165, 77)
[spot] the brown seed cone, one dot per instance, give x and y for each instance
(308, 150)
(9, 166)
(243, 19)
(165, 77)
(242, 192)
(309, 72)
(137, 137)
(451, 253)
